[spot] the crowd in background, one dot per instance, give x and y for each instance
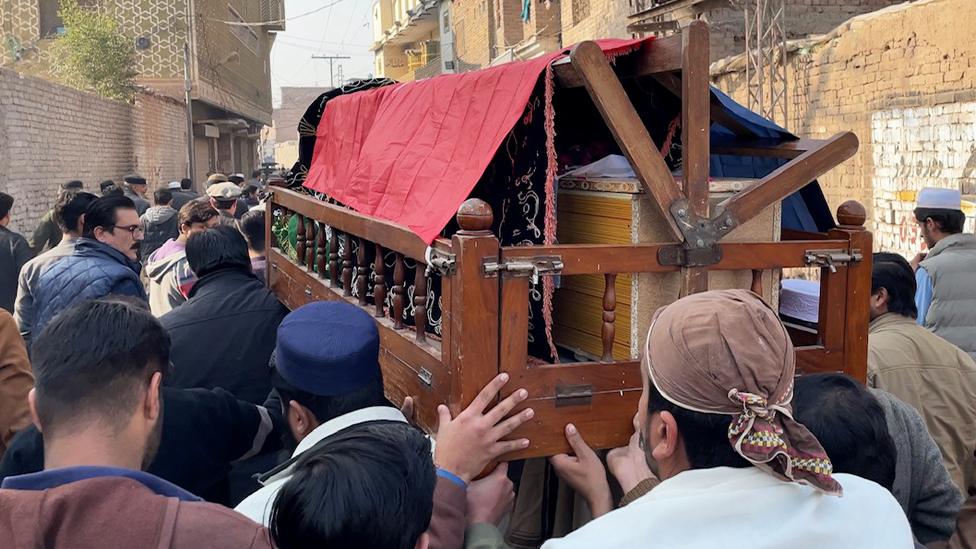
(155, 393)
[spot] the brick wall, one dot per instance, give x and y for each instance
(590, 19)
(508, 24)
(903, 80)
(50, 134)
(473, 37)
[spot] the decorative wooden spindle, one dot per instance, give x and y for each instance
(757, 282)
(300, 239)
(310, 243)
(334, 259)
(321, 250)
(399, 273)
(609, 316)
(363, 272)
(420, 302)
(379, 283)
(347, 265)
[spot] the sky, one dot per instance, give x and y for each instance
(343, 28)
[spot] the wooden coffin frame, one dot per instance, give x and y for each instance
(485, 287)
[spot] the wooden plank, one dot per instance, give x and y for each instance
(791, 177)
(764, 147)
(657, 56)
(514, 317)
(858, 307)
(695, 123)
(389, 235)
(627, 128)
(771, 255)
(596, 258)
(833, 309)
(816, 359)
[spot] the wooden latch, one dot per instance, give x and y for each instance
(830, 259)
(531, 267)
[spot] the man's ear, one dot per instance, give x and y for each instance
(423, 542)
(32, 404)
(665, 432)
(153, 396)
(80, 228)
(301, 420)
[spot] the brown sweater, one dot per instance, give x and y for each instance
(16, 381)
(119, 513)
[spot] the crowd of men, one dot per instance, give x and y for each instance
(155, 393)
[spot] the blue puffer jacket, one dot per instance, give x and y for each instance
(94, 270)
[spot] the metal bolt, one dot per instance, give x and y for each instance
(682, 212)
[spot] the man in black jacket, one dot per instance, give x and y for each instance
(224, 334)
(14, 253)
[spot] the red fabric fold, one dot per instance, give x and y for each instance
(412, 153)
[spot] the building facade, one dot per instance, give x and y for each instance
(408, 38)
(229, 44)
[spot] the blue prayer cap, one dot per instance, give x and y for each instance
(328, 348)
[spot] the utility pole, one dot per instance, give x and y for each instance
(187, 88)
(331, 59)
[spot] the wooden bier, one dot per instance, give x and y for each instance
(484, 287)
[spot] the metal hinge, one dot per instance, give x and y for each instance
(830, 259)
(425, 376)
(531, 267)
(443, 263)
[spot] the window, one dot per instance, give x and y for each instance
(244, 33)
(581, 10)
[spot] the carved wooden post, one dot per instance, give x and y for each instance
(310, 243)
(347, 265)
(398, 277)
(300, 239)
(420, 301)
(334, 258)
(321, 250)
(473, 311)
(609, 316)
(379, 283)
(851, 216)
(363, 273)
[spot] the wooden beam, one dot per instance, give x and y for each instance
(764, 147)
(627, 128)
(695, 123)
(791, 177)
(657, 56)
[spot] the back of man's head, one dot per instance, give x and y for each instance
(105, 185)
(221, 247)
(368, 486)
(6, 204)
(894, 274)
(186, 183)
(162, 197)
(849, 423)
(104, 213)
(74, 184)
(70, 208)
(252, 227)
(92, 363)
(196, 211)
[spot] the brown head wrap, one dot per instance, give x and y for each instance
(726, 352)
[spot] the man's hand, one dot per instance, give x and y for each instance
(490, 498)
(584, 472)
(628, 464)
(407, 409)
(919, 257)
(468, 443)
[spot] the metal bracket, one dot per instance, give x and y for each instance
(443, 263)
(573, 395)
(830, 259)
(532, 267)
(425, 376)
(701, 235)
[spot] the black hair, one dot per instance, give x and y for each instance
(327, 408)
(221, 247)
(112, 190)
(196, 211)
(367, 486)
(92, 361)
(162, 197)
(69, 208)
(891, 272)
(6, 204)
(252, 227)
(106, 184)
(73, 184)
(849, 423)
(224, 203)
(948, 221)
(186, 183)
(256, 173)
(104, 213)
(705, 436)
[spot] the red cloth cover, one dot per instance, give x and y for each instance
(412, 153)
